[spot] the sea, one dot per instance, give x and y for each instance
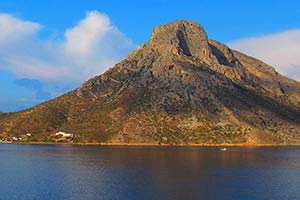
(58, 172)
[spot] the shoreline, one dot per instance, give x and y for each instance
(153, 145)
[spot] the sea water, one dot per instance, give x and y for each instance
(44, 172)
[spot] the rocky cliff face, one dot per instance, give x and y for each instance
(179, 88)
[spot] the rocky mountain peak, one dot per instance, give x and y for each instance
(181, 37)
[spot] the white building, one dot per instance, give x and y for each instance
(16, 139)
(63, 134)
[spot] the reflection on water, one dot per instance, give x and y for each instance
(30, 172)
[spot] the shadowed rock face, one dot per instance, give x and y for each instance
(179, 88)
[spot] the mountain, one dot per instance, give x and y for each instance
(179, 88)
(2, 115)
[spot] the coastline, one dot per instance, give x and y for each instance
(154, 145)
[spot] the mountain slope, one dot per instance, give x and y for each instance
(2, 115)
(179, 88)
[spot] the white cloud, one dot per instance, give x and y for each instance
(281, 50)
(89, 48)
(95, 42)
(83, 38)
(13, 29)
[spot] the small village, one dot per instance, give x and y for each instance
(58, 137)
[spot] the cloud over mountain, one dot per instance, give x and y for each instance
(90, 47)
(281, 50)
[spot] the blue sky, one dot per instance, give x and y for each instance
(50, 47)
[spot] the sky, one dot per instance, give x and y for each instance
(51, 47)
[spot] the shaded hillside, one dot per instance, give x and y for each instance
(2, 115)
(179, 88)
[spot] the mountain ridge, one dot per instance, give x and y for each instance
(179, 88)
